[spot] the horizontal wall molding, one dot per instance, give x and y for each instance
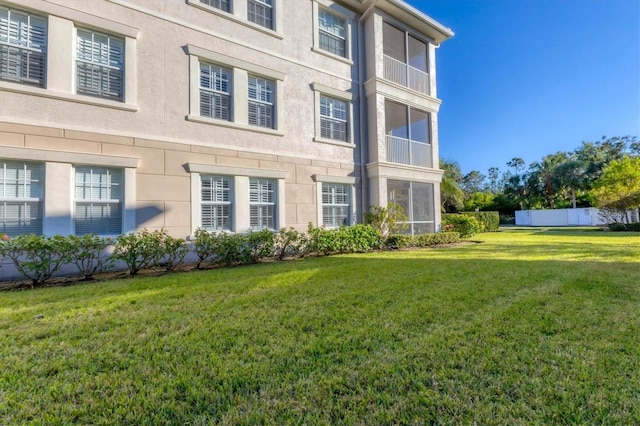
(235, 171)
(45, 155)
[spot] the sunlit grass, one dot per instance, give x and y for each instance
(529, 326)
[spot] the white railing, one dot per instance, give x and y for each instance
(405, 151)
(406, 75)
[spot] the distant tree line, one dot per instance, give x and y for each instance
(605, 174)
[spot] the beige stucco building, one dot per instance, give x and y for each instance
(117, 115)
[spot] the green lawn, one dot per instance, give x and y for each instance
(532, 326)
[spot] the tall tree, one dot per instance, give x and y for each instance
(451, 194)
(474, 181)
(619, 186)
(494, 179)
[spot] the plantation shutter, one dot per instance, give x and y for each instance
(23, 46)
(100, 64)
(98, 207)
(21, 198)
(215, 203)
(262, 204)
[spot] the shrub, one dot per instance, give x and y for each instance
(635, 227)
(398, 241)
(232, 248)
(357, 238)
(427, 240)
(466, 225)
(321, 241)
(388, 220)
(206, 245)
(260, 244)
(489, 221)
(87, 252)
(174, 251)
(617, 227)
(140, 250)
(288, 242)
(507, 219)
(37, 257)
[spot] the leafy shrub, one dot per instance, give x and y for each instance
(321, 241)
(388, 220)
(398, 241)
(233, 248)
(140, 250)
(206, 246)
(434, 239)
(489, 221)
(507, 219)
(37, 257)
(357, 238)
(635, 227)
(466, 225)
(260, 244)
(173, 250)
(288, 242)
(617, 227)
(87, 252)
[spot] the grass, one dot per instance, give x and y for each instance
(532, 326)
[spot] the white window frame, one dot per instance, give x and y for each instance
(24, 203)
(105, 64)
(219, 4)
(265, 5)
(334, 118)
(114, 179)
(338, 37)
(59, 190)
(331, 205)
(221, 197)
(263, 194)
(341, 13)
(261, 96)
(348, 181)
(27, 43)
(240, 181)
(239, 73)
(346, 97)
(218, 89)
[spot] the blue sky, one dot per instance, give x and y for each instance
(527, 78)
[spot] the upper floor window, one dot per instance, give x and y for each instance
(215, 92)
(215, 203)
(405, 59)
(23, 46)
(408, 135)
(260, 12)
(100, 64)
(262, 204)
(21, 197)
(98, 200)
(332, 33)
(333, 118)
(218, 4)
(261, 102)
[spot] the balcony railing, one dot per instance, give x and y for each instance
(405, 151)
(406, 75)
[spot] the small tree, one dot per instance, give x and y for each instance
(388, 220)
(37, 257)
(87, 252)
(618, 188)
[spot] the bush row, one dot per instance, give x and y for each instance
(38, 258)
(488, 221)
(634, 226)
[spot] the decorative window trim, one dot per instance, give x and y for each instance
(320, 89)
(231, 62)
(119, 202)
(341, 12)
(74, 158)
(26, 202)
(342, 180)
(238, 14)
(212, 169)
(216, 203)
(82, 33)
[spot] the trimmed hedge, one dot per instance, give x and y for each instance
(489, 221)
(633, 227)
(397, 241)
(466, 225)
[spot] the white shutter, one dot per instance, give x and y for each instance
(23, 40)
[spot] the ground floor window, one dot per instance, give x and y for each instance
(21, 197)
(335, 204)
(215, 202)
(98, 200)
(262, 203)
(417, 200)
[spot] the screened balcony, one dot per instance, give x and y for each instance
(407, 135)
(405, 59)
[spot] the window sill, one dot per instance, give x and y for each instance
(332, 56)
(232, 125)
(334, 142)
(232, 17)
(70, 97)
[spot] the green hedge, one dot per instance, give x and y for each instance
(397, 241)
(489, 221)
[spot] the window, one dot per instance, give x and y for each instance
(260, 12)
(218, 4)
(333, 118)
(407, 135)
(98, 200)
(215, 90)
(417, 200)
(335, 204)
(100, 65)
(215, 202)
(23, 39)
(21, 196)
(261, 102)
(405, 59)
(332, 33)
(262, 203)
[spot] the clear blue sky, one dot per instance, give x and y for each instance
(527, 78)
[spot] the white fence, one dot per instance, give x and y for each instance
(589, 216)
